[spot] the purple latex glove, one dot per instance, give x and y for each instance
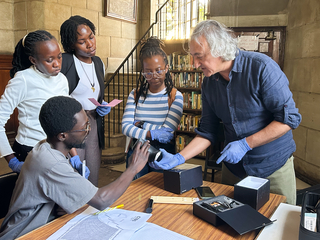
(168, 160)
(77, 164)
(234, 151)
(102, 111)
(15, 164)
(163, 135)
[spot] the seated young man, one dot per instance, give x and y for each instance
(47, 178)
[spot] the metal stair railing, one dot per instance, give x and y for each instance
(120, 84)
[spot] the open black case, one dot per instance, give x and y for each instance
(241, 217)
(309, 204)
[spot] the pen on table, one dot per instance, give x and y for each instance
(149, 206)
(108, 209)
(84, 168)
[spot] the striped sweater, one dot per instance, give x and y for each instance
(154, 111)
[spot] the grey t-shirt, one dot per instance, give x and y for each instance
(46, 179)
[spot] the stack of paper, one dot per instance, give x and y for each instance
(116, 224)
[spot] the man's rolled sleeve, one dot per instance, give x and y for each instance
(289, 116)
(278, 97)
(211, 137)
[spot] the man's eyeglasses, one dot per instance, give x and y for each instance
(86, 129)
(150, 75)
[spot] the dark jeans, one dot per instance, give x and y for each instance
(21, 151)
(169, 147)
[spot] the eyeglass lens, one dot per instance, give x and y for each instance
(150, 75)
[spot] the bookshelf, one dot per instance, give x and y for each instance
(187, 80)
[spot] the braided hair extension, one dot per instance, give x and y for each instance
(25, 48)
(149, 48)
(69, 34)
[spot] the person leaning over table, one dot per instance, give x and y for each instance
(250, 94)
(48, 179)
(35, 77)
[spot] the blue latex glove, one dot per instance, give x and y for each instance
(102, 111)
(234, 151)
(163, 135)
(168, 160)
(15, 165)
(77, 164)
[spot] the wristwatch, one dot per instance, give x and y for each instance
(140, 124)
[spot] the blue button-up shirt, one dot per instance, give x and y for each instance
(257, 94)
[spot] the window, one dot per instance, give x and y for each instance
(178, 18)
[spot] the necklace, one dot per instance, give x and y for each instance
(91, 83)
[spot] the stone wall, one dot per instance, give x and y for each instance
(115, 38)
(6, 27)
(302, 66)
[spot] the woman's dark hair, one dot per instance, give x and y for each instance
(57, 115)
(149, 48)
(25, 48)
(69, 34)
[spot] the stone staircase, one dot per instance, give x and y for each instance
(114, 153)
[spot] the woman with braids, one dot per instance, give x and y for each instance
(85, 74)
(154, 109)
(35, 77)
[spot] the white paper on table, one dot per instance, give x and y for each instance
(116, 224)
(155, 232)
(287, 225)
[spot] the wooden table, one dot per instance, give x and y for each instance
(178, 218)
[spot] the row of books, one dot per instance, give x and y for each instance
(182, 141)
(178, 61)
(188, 122)
(187, 79)
(192, 100)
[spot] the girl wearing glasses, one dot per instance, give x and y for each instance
(153, 111)
(85, 74)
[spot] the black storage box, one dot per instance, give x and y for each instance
(301, 192)
(253, 191)
(241, 217)
(182, 178)
(309, 202)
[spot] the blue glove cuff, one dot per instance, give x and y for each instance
(180, 158)
(245, 144)
(15, 164)
(75, 161)
(152, 133)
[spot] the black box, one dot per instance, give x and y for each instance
(241, 217)
(182, 178)
(301, 192)
(309, 201)
(253, 191)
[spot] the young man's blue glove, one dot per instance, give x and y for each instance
(102, 111)
(77, 164)
(163, 135)
(168, 160)
(234, 151)
(15, 164)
